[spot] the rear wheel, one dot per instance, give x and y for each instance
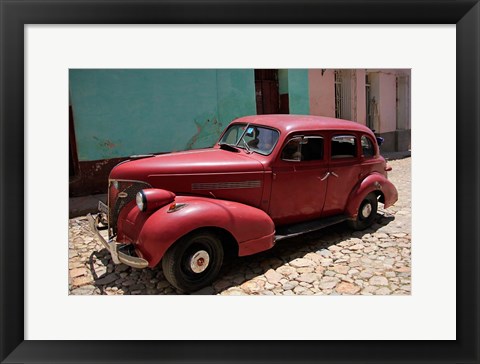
(366, 213)
(193, 262)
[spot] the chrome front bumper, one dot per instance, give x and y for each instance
(117, 256)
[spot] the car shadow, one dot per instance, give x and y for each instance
(122, 279)
(287, 250)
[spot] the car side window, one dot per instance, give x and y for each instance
(312, 149)
(291, 151)
(344, 146)
(367, 147)
(308, 148)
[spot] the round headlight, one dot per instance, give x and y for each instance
(141, 201)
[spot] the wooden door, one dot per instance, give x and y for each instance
(266, 91)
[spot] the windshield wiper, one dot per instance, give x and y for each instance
(229, 147)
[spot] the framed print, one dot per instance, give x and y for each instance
(41, 322)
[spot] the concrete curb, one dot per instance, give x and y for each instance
(80, 206)
(390, 156)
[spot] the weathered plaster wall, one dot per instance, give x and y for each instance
(360, 103)
(375, 97)
(322, 92)
(383, 91)
(298, 91)
(388, 102)
(236, 94)
(118, 113)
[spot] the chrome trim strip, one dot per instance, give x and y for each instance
(226, 185)
(127, 180)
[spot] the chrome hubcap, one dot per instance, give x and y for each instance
(199, 261)
(366, 210)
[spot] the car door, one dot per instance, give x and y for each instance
(299, 180)
(344, 171)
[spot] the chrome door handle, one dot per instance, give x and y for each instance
(334, 174)
(325, 177)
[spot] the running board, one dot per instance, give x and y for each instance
(290, 231)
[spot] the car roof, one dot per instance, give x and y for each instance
(287, 123)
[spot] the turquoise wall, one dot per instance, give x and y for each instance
(298, 91)
(118, 113)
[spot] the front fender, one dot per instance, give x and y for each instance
(154, 233)
(371, 183)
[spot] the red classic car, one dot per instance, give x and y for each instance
(269, 177)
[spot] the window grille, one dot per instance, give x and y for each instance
(342, 94)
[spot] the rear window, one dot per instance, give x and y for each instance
(368, 150)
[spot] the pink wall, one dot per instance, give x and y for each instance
(322, 92)
(383, 90)
(388, 100)
(361, 108)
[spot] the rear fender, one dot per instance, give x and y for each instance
(252, 228)
(374, 182)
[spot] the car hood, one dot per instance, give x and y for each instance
(198, 161)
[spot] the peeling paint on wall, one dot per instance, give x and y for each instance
(98, 166)
(106, 146)
(207, 134)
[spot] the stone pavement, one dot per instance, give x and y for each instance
(332, 261)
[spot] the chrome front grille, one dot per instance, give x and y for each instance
(120, 193)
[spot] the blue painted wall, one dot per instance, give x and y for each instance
(118, 113)
(298, 91)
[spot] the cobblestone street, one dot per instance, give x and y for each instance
(332, 261)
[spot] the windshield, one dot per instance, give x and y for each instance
(251, 137)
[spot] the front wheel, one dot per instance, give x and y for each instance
(193, 262)
(366, 213)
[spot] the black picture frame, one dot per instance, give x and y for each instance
(15, 14)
